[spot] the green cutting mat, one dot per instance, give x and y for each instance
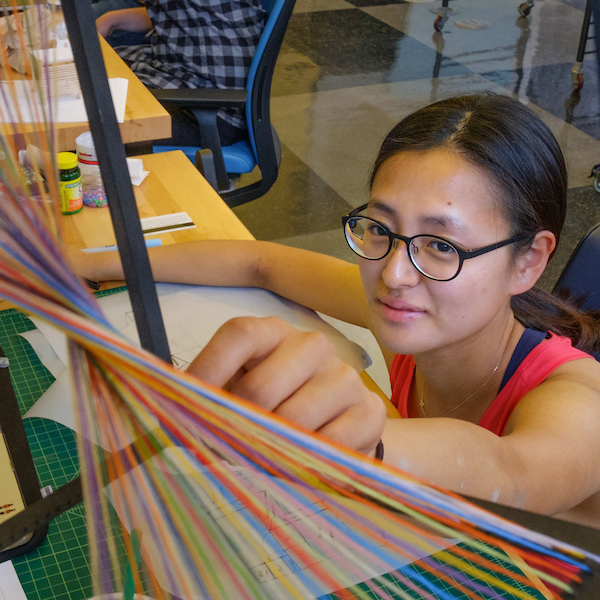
(59, 569)
(389, 583)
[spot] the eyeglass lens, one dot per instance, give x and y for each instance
(433, 256)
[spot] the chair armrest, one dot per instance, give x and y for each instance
(201, 98)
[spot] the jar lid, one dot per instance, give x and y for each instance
(67, 160)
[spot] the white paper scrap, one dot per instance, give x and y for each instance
(10, 586)
(45, 352)
(136, 170)
(67, 108)
(118, 90)
(56, 403)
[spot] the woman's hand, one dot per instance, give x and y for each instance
(296, 375)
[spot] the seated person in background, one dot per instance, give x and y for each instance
(120, 37)
(192, 44)
(498, 396)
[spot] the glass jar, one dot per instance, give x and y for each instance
(91, 178)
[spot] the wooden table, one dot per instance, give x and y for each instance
(145, 118)
(173, 185)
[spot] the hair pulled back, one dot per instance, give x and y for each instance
(525, 168)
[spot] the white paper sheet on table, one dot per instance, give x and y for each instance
(136, 170)
(10, 586)
(68, 109)
(269, 572)
(192, 314)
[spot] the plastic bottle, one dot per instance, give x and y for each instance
(71, 193)
(91, 179)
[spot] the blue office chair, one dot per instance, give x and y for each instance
(262, 148)
(580, 278)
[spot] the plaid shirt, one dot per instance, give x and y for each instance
(199, 44)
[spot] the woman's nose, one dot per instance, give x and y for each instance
(399, 270)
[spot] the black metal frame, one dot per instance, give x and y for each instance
(115, 175)
(15, 439)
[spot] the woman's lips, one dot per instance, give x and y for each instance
(400, 311)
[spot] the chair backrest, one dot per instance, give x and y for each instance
(263, 138)
(581, 276)
(262, 67)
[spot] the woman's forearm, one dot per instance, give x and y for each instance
(453, 454)
(320, 282)
(127, 19)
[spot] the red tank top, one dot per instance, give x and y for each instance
(535, 367)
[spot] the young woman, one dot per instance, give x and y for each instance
(467, 201)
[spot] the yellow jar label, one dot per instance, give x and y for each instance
(71, 196)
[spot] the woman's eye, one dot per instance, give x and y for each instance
(441, 246)
(377, 230)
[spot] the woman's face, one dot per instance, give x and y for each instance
(439, 193)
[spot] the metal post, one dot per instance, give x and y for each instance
(115, 175)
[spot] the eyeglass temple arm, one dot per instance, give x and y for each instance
(473, 253)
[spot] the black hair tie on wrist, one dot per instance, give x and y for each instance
(379, 450)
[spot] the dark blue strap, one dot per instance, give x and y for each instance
(529, 340)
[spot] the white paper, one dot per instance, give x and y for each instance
(118, 89)
(45, 352)
(136, 170)
(10, 586)
(67, 108)
(56, 402)
(192, 314)
(53, 336)
(268, 572)
(54, 55)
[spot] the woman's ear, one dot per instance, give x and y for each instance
(530, 265)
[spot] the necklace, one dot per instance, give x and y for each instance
(422, 396)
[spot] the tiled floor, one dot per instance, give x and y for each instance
(349, 70)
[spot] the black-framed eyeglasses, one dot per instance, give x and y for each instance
(435, 257)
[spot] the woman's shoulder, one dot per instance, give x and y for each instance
(584, 370)
(566, 402)
(552, 354)
(574, 363)
(574, 380)
(554, 376)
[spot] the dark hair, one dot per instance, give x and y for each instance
(525, 167)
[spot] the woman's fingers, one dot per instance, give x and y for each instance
(296, 374)
(235, 359)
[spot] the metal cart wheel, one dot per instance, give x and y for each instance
(577, 81)
(577, 70)
(439, 22)
(596, 175)
(442, 16)
(525, 8)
